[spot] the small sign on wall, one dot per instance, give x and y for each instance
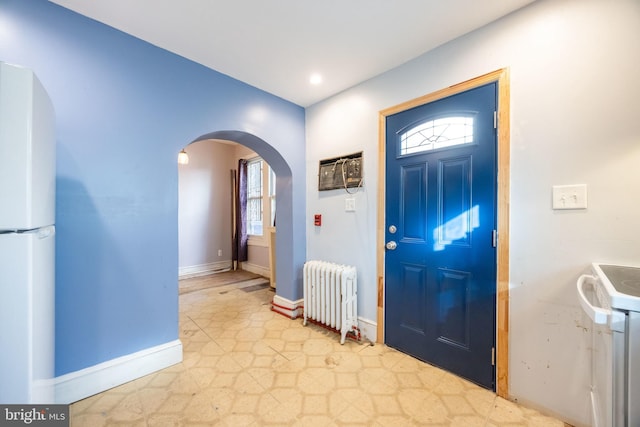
(340, 172)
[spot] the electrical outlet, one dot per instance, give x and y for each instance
(219, 252)
(570, 196)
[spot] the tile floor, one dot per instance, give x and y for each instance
(245, 365)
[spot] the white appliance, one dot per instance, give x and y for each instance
(611, 298)
(27, 238)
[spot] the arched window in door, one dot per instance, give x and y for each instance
(437, 133)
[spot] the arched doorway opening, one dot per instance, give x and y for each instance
(284, 266)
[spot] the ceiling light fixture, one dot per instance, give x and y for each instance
(315, 79)
(183, 157)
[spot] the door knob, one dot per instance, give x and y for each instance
(391, 245)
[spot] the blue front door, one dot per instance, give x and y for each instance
(440, 261)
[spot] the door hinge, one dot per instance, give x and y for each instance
(494, 238)
(493, 356)
(495, 120)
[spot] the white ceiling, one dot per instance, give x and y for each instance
(276, 45)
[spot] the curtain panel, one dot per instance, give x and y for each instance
(240, 236)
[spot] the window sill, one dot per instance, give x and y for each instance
(258, 241)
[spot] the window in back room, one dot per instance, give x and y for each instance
(261, 196)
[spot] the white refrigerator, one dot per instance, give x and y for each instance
(27, 238)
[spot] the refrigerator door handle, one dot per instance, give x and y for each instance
(45, 232)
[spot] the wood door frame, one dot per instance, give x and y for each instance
(500, 76)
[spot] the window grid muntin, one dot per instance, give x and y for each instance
(437, 133)
(254, 197)
(272, 197)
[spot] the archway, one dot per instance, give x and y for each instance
(285, 245)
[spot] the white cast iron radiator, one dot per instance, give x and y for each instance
(330, 296)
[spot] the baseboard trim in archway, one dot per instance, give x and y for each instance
(288, 308)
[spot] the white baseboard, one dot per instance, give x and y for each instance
(95, 379)
(368, 329)
(203, 269)
(291, 309)
(256, 269)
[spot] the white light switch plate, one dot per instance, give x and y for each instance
(570, 196)
(350, 205)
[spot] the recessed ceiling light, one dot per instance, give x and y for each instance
(315, 79)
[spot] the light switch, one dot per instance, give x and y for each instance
(570, 196)
(350, 205)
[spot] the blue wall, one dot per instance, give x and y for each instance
(124, 109)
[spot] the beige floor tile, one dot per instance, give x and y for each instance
(481, 400)
(83, 405)
(408, 380)
(468, 421)
(87, 419)
(387, 405)
(286, 395)
(104, 403)
(336, 405)
(174, 404)
(128, 410)
(245, 365)
(451, 384)
(394, 421)
(347, 380)
(152, 398)
(354, 415)
(430, 376)
(344, 362)
(240, 420)
(165, 420)
(504, 411)
(293, 335)
(316, 421)
(284, 413)
(315, 404)
(457, 405)
(317, 347)
(432, 411)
